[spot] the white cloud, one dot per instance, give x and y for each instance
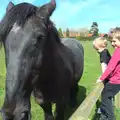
(80, 13)
(67, 10)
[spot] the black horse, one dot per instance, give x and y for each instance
(37, 60)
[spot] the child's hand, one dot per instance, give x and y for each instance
(98, 80)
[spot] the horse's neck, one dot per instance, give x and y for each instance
(53, 41)
(51, 48)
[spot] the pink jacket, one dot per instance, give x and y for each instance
(112, 71)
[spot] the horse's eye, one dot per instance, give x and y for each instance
(40, 37)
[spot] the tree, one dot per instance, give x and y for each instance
(67, 32)
(60, 32)
(94, 29)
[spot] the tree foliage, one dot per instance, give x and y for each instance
(67, 32)
(60, 32)
(94, 29)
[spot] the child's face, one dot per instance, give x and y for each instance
(115, 43)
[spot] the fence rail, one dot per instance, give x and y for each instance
(84, 110)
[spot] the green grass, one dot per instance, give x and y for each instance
(92, 71)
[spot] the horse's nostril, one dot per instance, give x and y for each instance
(24, 116)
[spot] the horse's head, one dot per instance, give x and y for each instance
(24, 31)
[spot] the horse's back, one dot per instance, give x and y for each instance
(74, 44)
(78, 52)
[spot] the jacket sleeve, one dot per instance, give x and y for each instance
(105, 56)
(111, 65)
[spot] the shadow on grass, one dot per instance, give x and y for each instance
(80, 98)
(96, 115)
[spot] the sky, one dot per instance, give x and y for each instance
(76, 14)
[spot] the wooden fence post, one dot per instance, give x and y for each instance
(117, 101)
(84, 110)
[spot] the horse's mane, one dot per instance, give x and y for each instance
(18, 14)
(55, 31)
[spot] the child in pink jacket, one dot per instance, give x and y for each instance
(111, 73)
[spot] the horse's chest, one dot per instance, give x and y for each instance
(54, 83)
(55, 77)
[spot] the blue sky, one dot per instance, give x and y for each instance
(76, 14)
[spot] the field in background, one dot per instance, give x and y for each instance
(92, 71)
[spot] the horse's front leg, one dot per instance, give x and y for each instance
(73, 96)
(60, 110)
(46, 106)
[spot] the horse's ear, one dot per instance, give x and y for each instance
(10, 6)
(47, 9)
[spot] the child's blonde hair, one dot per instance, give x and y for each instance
(115, 33)
(101, 41)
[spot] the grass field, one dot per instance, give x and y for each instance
(92, 71)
